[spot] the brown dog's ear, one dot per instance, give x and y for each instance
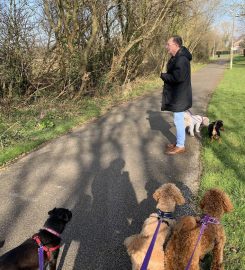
(157, 194)
(227, 204)
(180, 200)
(178, 197)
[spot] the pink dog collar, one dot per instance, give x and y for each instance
(52, 231)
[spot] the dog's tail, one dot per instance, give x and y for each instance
(133, 243)
(187, 223)
(2, 243)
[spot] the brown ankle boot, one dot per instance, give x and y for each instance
(175, 150)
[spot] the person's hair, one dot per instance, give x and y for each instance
(177, 40)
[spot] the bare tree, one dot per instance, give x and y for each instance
(80, 47)
(16, 48)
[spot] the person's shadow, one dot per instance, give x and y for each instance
(146, 207)
(103, 220)
(158, 122)
(189, 208)
(100, 227)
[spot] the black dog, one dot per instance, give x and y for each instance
(25, 256)
(214, 130)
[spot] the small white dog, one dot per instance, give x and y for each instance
(194, 122)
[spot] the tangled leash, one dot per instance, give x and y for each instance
(204, 221)
(161, 218)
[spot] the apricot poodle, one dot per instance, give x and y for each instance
(167, 196)
(185, 234)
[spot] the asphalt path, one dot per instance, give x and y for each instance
(105, 172)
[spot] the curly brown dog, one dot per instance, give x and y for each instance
(183, 240)
(167, 196)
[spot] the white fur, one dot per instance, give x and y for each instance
(194, 122)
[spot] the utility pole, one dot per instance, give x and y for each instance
(232, 40)
(214, 49)
(232, 34)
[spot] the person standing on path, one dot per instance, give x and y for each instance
(177, 91)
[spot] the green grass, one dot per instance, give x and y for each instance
(223, 164)
(196, 66)
(222, 56)
(25, 127)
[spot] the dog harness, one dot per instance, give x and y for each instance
(198, 118)
(161, 216)
(43, 248)
(204, 221)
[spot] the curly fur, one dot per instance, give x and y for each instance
(194, 122)
(181, 244)
(167, 196)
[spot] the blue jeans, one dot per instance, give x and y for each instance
(180, 128)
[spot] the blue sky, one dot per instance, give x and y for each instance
(224, 15)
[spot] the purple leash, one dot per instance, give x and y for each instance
(161, 215)
(40, 258)
(150, 249)
(205, 221)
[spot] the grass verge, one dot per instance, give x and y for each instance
(24, 128)
(224, 163)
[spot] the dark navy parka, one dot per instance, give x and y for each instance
(177, 90)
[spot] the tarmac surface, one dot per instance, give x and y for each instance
(105, 172)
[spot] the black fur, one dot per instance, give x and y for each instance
(25, 256)
(214, 129)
